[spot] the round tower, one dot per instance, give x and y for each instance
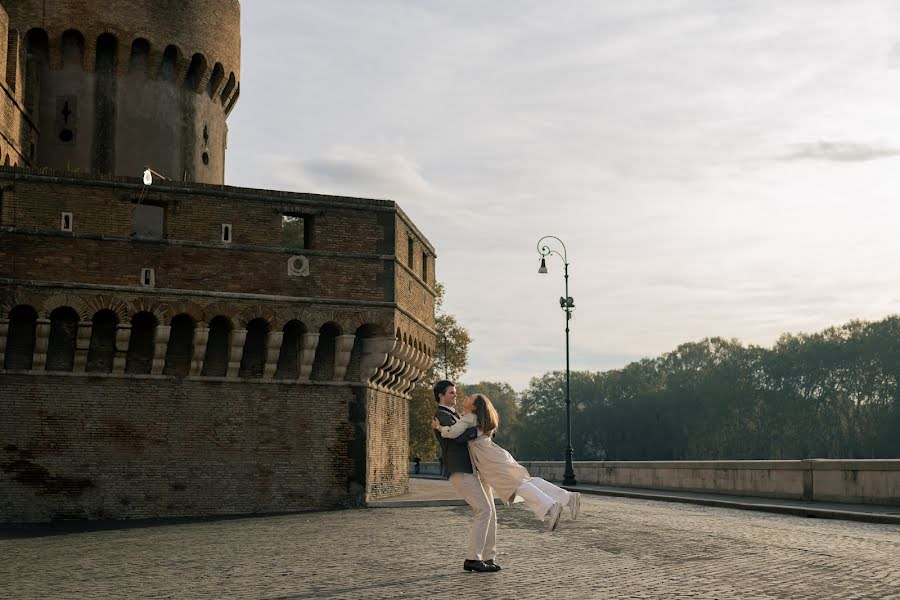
(114, 86)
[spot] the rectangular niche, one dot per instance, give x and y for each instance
(148, 221)
(227, 233)
(66, 221)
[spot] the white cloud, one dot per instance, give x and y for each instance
(641, 133)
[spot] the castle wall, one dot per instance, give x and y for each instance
(87, 353)
(388, 445)
(109, 446)
(184, 348)
(346, 259)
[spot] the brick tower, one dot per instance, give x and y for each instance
(112, 87)
(184, 348)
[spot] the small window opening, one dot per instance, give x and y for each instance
(296, 231)
(205, 158)
(148, 277)
(66, 221)
(226, 233)
(425, 267)
(410, 247)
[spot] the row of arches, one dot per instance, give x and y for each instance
(172, 64)
(184, 347)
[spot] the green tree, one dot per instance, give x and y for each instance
(449, 364)
(293, 232)
(506, 401)
(830, 394)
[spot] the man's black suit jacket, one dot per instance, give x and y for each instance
(454, 451)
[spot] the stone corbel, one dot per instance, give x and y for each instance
(273, 352)
(390, 368)
(343, 347)
(4, 332)
(307, 355)
(238, 337)
(160, 343)
(41, 339)
(123, 340)
(82, 345)
(375, 353)
(400, 381)
(201, 336)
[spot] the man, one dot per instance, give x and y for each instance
(457, 466)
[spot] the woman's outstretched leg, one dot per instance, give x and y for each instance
(540, 503)
(564, 497)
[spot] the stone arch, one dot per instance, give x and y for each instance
(72, 49)
(229, 87)
(315, 318)
(168, 69)
(219, 309)
(351, 321)
(364, 332)
(178, 307)
(254, 312)
(253, 359)
(37, 43)
(215, 81)
(180, 348)
(116, 306)
(139, 59)
(218, 347)
(20, 338)
(323, 364)
(291, 346)
(61, 341)
(284, 316)
(152, 306)
(107, 54)
(142, 345)
(61, 300)
(37, 52)
(102, 348)
(233, 101)
(196, 72)
(19, 298)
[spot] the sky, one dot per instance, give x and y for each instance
(714, 167)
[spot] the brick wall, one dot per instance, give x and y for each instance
(135, 447)
(16, 130)
(388, 445)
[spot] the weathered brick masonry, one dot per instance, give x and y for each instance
(144, 446)
(185, 348)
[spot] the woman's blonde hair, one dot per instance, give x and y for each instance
(486, 414)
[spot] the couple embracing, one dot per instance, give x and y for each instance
(477, 467)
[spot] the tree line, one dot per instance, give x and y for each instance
(831, 394)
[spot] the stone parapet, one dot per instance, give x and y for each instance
(854, 481)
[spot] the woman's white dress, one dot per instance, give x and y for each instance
(496, 465)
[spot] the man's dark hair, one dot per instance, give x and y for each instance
(440, 388)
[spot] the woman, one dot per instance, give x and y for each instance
(501, 471)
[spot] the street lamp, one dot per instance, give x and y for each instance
(567, 303)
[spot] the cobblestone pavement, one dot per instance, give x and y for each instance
(619, 548)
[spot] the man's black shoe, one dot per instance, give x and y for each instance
(479, 566)
(491, 563)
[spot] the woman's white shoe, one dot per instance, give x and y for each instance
(554, 514)
(575, 504)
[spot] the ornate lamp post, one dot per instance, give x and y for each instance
(567, 303)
